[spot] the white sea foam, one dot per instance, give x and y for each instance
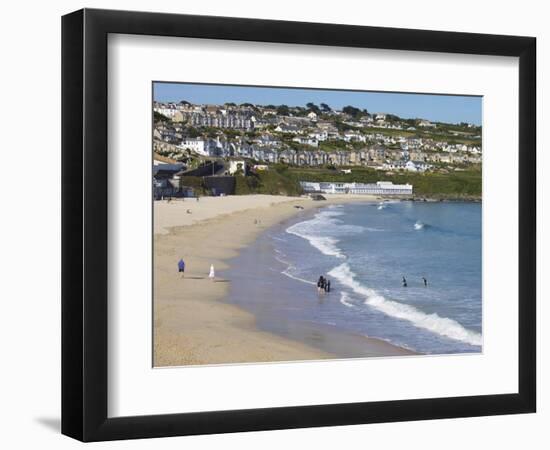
(432, 322)
(288, 273)
(418, 225)
(330, 213)
(345, 299)
(326, 245)
(322, 230)
(282, 261)
(386, 203)
(289, 269)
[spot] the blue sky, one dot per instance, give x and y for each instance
(442, 108)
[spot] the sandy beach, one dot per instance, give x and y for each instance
(193, 325)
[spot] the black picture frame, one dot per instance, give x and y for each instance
(84, 224)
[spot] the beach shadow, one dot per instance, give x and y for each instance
(222, 281)
(52, 423)
(195, 278)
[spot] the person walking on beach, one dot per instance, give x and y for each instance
(327, 286)
(404, 282)
(212, 273)
(425, 282)
(181, 267)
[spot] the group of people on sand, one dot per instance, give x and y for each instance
(424, 280)
(323, 284)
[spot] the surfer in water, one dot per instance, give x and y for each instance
(425, 281)
(404, 282)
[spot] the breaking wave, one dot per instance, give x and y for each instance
(322, 232)
(432, 322)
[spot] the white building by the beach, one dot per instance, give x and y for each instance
(378, 188)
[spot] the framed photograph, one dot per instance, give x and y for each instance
(273, 224)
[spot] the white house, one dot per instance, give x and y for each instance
(416, 166)
(426, 124)
(312, 116)
(306, 140)
(319, 135)
(167, 110)
(203, 147)
(393, 165)
(284, 128)
(197, 145)
(355, 137)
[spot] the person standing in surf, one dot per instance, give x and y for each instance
(321, 284)
(404, 282)
(425, 282)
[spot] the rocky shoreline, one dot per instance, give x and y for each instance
(437, 198)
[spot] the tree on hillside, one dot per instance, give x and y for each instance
(313, 107)
(184, 102)
(299, 111)
(354, 112)
(283, 110)
(325, 107)
(392, 118)
(192, 132)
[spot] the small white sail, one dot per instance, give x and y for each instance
(212, 273)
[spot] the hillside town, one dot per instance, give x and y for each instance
(312, 136)
(229, 139)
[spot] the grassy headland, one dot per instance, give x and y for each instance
(284, 180)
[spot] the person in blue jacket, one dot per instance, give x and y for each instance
(181, 266)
